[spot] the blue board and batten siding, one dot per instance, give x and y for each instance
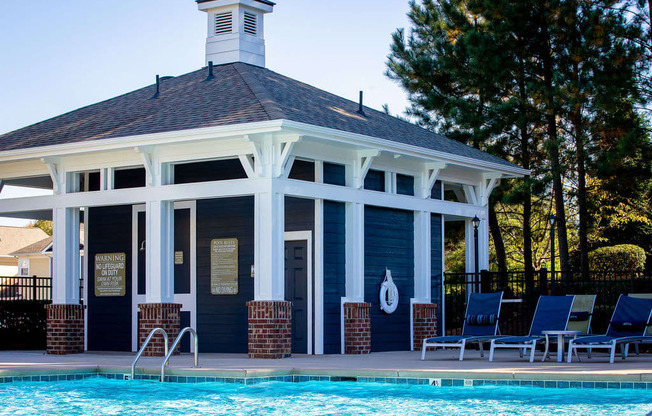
(109, 318)
(334, 258)
(334, 274)
(222, 319)
(389, 243)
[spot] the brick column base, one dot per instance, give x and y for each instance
(65, 329)
(357, 328)
(424, 323)
(158, 315)
(270, 329)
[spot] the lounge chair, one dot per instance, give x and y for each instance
(628, 325)
(581, 314)
(551, 314)
(648, 333)
(480, 324)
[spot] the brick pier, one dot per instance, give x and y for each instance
(270, 329)
(65, 329)
(424, 323)
(158, 315)
(357, 328)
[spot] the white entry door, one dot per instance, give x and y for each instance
(185, 268)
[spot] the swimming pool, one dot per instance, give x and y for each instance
(116, 397)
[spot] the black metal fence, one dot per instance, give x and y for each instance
(22, 312)
(25, 288)
(522, 291)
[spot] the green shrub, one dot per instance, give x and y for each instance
(623, 257)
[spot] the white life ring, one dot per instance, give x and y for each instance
(388, 294)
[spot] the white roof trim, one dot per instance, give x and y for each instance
(243, 129)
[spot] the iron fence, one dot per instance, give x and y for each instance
(522, 291)
(25, 288)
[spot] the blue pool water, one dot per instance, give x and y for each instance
(98, 396)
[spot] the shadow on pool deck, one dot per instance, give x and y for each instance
(440, 364)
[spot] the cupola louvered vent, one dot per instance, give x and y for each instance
(223, 23)
(250, 23)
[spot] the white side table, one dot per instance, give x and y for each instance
(560, 342)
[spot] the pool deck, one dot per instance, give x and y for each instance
(441, 364)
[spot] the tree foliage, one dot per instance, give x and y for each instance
(558, 87)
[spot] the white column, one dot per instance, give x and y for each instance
(355, 252)
(319, 264)
(422, 257)
(159, 265)
(269, 253)
(65, 282)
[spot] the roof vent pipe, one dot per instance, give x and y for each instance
(158, 87)
(360, 110)
(210, 71)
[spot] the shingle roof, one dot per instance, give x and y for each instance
(239, 93)
(34, 248)
(13, 238)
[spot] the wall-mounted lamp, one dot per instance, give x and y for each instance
(142, 245)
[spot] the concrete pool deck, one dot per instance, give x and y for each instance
(441, 364)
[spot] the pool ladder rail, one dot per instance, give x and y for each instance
(168, 351)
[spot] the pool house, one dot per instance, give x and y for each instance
(261, 211)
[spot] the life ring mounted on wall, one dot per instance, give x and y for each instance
(388, 294)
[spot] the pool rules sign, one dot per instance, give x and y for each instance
(224, 266)
(110, 274)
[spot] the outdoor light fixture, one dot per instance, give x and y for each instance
(476, 222)
(142, 245)
(552, 219)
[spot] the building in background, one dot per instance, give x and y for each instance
(261, 211)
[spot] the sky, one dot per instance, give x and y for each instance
(58, 56)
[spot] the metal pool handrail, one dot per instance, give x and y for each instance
(140, 352)
(174, 345)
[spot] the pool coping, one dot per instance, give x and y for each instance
(434, 378)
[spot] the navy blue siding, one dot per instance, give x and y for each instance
(109, 318)
(299, 214)
(389, 243)
(334, 174)
(334, 273)
(436, 266)
(182, 243)
(435, 193)
(222, 319)
(375, 180)
(213, 170)
(129, 178)
(303, 170)
(405, 184)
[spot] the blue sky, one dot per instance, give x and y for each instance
(57, 56)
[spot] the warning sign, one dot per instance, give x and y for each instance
(110, 274)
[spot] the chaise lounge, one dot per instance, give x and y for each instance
(480, 325)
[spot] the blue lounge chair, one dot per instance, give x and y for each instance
(480, 324)
(551, 314)
(628, 325)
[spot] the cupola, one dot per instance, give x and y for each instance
(235, 30)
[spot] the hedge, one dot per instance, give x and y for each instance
(623, 257)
